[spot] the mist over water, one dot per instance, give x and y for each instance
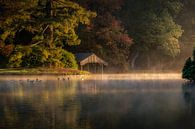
(126, 101)
(130, 76)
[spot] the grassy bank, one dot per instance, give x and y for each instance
(41, 71)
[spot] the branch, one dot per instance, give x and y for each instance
(64, 4)
(36, 44)
(45, 29)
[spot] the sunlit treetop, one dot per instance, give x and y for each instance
(65, 17)
(51, 23)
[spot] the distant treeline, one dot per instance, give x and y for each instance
(128, 34)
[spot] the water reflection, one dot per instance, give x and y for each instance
(96, 104)
(41, 106)
(189, 95)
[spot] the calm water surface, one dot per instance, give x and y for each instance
(96, 104)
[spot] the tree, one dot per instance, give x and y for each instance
(52, 24)
(186, 69)
(106, 36)
(153, 29)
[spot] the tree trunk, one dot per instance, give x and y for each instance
(51, 38)
(148, 61)
(134, 60)
(49, 8)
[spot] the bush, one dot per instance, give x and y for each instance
(188, 71)
(39, 56)
(69, 60)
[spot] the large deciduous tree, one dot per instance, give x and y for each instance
(152, 25)
(51, 24)
(107, 36)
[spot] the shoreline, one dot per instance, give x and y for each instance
(41, 71)
(66, 71)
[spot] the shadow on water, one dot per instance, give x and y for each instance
(188, 118)
(97, 104)
(189, 95)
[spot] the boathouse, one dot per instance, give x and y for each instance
(90, 62)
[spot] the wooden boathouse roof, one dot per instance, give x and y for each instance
(86, 58)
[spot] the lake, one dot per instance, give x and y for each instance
(127, 101)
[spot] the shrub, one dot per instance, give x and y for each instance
(69, 60)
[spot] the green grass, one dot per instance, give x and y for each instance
(41, 71)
